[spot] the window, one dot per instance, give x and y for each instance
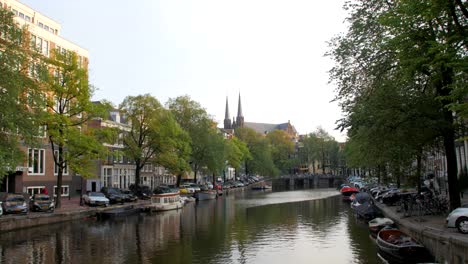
(107, 174)
(34, 190)
(21, 15)
(41, 132)
(56, 168)
(27, 18)
(61, 106)
(40, 25)
(33, 41)
(15, 11)
(46, 27)
(65, 190)
(45, 48)
(36, 161)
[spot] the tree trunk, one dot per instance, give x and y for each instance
(137, 173)
(58, 200)
(449, 137)
(418, 170)
(179, 178)
(449, 144)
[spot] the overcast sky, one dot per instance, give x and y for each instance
(271, 52)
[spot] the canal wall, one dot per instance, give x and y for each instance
(11, 223)
(446, 246)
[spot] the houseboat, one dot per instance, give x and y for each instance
(166, 201)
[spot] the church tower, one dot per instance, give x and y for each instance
(227, 120)
(240, 116)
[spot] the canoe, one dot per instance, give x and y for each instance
(397, 247)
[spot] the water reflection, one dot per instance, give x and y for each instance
(243, 228)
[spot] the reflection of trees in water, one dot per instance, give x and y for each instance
(205, 232)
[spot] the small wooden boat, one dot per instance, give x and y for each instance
(376, 224)
(118, 212)
(397, 247)
(166, 201)
(206, 195)
(347, 191)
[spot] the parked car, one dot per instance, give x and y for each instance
(129, 196)
(113, 194)
(195, 186)
(142, 191)
(185, 188)
(209, 185)
(14, 203)
(41, 203)
(458, 218)
(95, 198)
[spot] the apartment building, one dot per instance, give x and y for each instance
(38, 170)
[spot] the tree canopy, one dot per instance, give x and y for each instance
(401, 73)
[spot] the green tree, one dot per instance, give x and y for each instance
(69, 108)
(237, 152)
(262, 161)
(282, 150)
(200, 128)
(20, 94)
(154, 136)
(419, 47)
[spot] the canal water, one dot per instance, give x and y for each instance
(302, 226)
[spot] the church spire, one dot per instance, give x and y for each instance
(239, 108)
(226, 115)
(240, 116)
(227, 121)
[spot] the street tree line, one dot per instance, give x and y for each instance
(401, 76)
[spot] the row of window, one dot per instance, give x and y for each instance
(36, 162)
(37, 189)
(21, 15)
(46, 27)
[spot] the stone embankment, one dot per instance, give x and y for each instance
(447, 245)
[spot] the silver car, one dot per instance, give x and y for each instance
(95, 198)
(458, 218)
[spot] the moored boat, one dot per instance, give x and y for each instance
(397, 247)
(206, 195)
(166, 201)
(347, 191)
(376, 224)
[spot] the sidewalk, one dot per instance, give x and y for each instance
(446, 244)
(71, 204)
